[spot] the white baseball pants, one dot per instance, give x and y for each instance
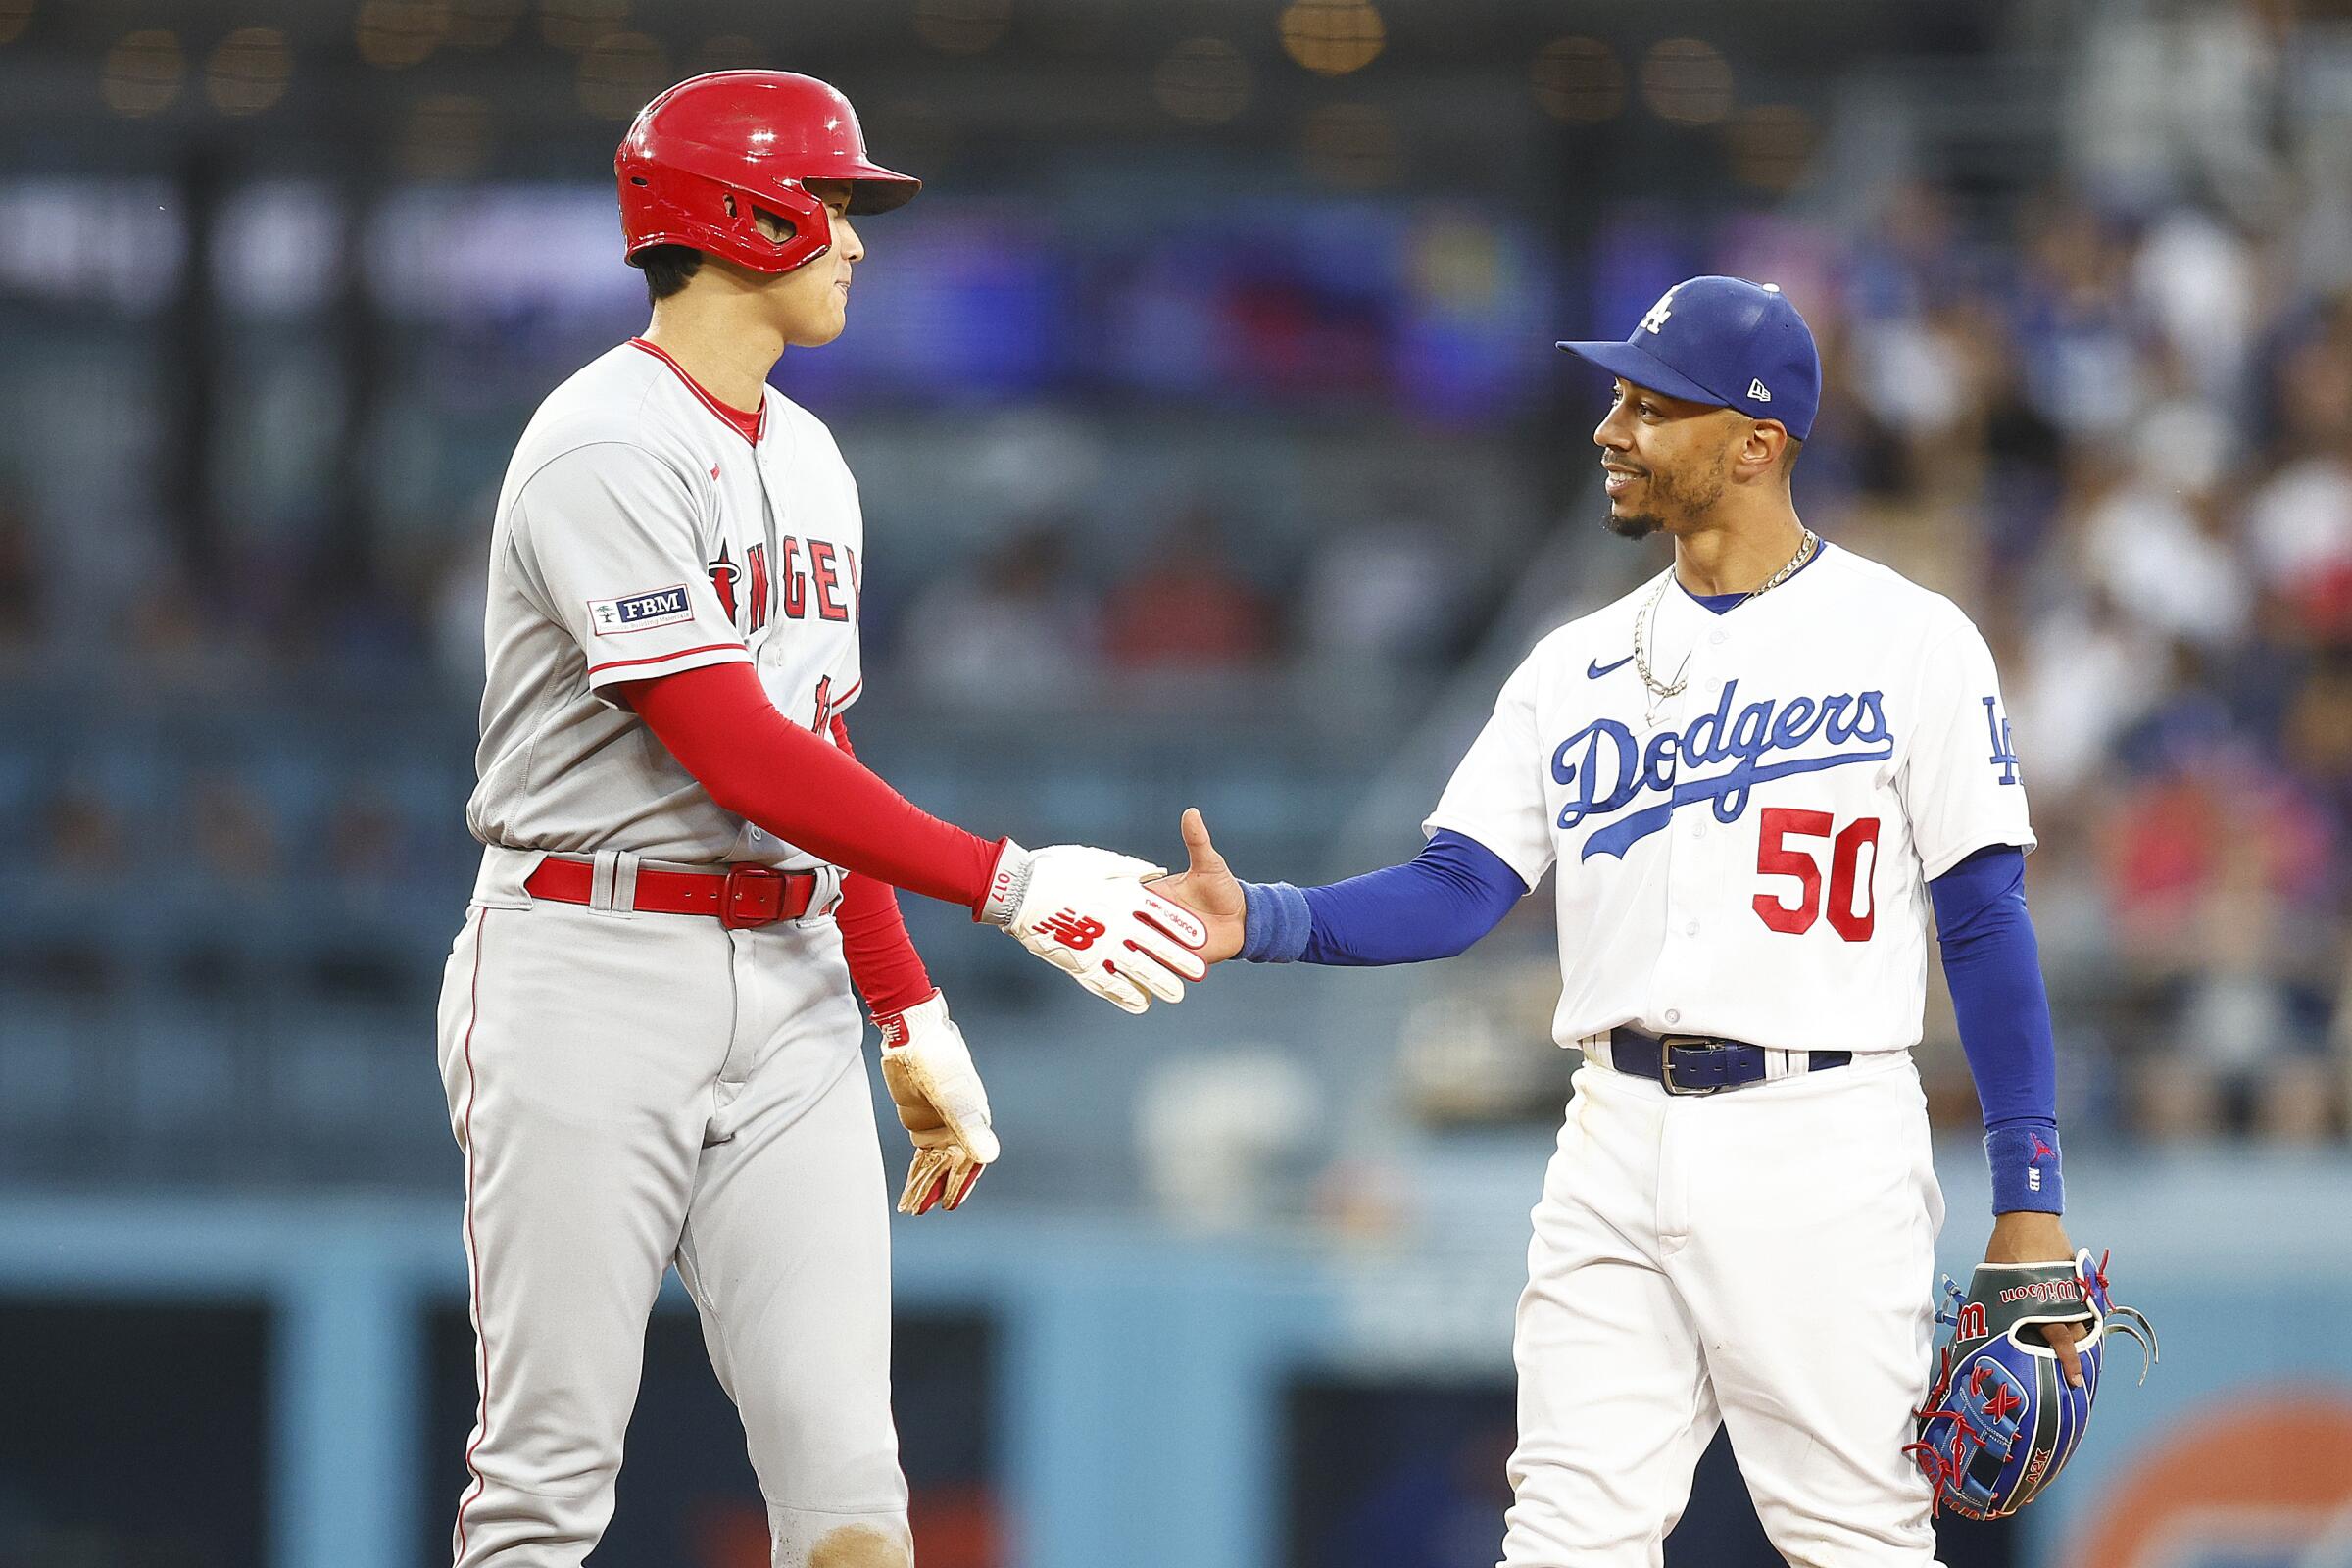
(1760, 1259)
(633, 1091)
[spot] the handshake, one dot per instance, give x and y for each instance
(1112, 922)
(1122, 928)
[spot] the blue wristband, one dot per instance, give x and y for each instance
(1276, 927)
(2025, 1174)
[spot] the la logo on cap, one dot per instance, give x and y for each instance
(1758, 391)
(1661, 312)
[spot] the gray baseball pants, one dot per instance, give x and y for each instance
(636, 1090)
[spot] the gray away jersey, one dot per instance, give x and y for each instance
(641, 533)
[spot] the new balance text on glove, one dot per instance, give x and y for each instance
(1087, 912)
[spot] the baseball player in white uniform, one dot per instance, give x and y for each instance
(1752, 776)
(647, 1028)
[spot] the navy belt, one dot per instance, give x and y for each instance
(1701, 1065)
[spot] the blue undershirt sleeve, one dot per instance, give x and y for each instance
(1994, 965)
(1434, 905)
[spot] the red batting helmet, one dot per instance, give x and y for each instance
(706, 153)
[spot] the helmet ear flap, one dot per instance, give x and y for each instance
(791, 230)
(807, 232)
(720, 217)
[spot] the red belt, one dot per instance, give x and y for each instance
(742, 897)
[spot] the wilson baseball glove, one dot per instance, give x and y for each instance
(2001, 1420)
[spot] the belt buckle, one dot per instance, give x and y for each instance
(754, 896)
(1667, 1046)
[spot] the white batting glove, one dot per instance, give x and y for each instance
(937, 1089)
(1087, 912)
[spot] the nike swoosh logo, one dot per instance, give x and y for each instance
(1596, 669)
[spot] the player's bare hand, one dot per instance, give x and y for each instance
(1208, 889)
(2027, 1237)
(1088, 913)
(941, 1103)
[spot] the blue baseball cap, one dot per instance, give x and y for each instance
(1726, 341)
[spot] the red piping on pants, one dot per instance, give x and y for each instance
(481, 1331)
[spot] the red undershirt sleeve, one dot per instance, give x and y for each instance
(883, 965)
(720, 726)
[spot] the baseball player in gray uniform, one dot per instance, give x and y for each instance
(646, 1026)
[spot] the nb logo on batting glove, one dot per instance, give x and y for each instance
(1070, 930)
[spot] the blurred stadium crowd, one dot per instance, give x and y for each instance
(2104, 400)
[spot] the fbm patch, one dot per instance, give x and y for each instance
(640, 612)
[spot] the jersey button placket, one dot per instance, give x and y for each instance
(1685, 887)
(1686, 884)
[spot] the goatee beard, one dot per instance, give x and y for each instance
(1638, 525)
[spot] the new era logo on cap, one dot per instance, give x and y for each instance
(1711, 341)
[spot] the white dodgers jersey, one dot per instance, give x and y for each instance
(641, 532)
(1749, 857)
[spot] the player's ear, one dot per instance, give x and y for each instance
(1759, 453)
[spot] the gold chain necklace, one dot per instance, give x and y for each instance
(1649, 615)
